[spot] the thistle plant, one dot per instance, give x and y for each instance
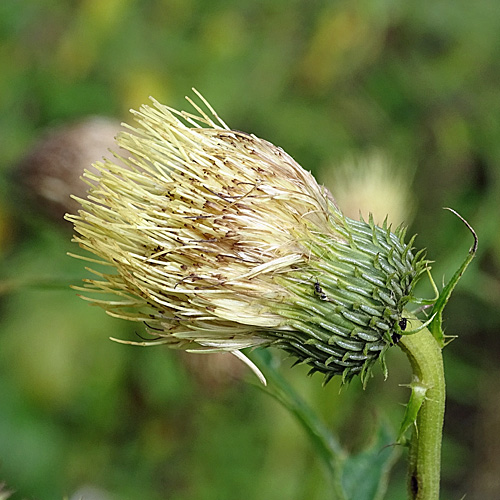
(217, 240)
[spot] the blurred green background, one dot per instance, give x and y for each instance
(354, 91)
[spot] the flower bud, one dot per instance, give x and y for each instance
(219, 240)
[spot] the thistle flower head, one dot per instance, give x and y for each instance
(219, 240)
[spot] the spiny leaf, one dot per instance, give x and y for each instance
(436, 326)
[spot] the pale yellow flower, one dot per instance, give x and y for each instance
(372, 184)
(219, 240)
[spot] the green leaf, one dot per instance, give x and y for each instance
(365, 475)
(436, 326)
(325, 444)
(417, 397)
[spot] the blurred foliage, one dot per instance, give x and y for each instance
(328, 81)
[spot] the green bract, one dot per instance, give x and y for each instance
(219, 240)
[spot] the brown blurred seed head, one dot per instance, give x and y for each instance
(214, 372)
(51, 170)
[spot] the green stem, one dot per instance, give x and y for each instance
(426, 360)
(328, 449)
